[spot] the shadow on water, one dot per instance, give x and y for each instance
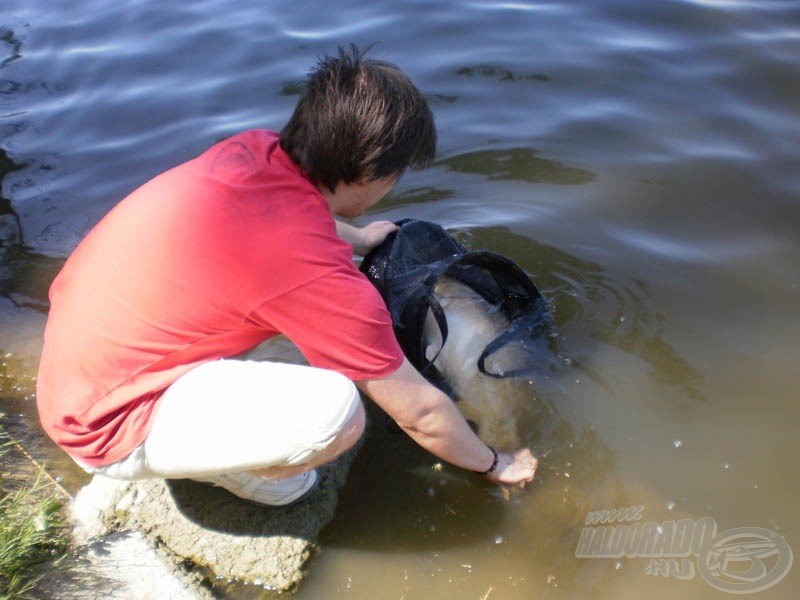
(517, 164)
(398, 498)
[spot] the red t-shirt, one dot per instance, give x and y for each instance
(202, 262)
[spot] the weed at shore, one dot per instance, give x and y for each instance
(31, 531)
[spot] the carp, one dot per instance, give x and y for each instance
(472, 323)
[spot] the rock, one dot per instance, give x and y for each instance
(225, 537)
(120, 566)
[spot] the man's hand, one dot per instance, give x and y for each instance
(372, 235)
(514, 467)
(364, 239)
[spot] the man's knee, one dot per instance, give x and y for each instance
(354, 427)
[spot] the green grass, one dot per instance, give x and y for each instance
(31, 532)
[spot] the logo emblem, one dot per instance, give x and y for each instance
(745, 560)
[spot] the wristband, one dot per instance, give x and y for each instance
(494, 462)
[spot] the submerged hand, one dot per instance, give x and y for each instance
(514, 467)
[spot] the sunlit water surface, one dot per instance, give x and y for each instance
(638, 159)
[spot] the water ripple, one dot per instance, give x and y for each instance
(694, 251)
(338, 32)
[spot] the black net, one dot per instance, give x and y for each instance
(406, 267)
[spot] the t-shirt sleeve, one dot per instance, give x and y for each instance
(339, 322)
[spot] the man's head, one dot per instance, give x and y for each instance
(358, 120)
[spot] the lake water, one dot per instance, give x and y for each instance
(638, 159)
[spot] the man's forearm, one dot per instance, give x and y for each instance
(350, 234)
(430, 418)
(443, 431)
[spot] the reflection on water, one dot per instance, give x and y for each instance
(440, 98)
(498, 72)
(10, 226)
(424, 195)
(292, 88)
(25, 276)
(8, 38)
(519, 164)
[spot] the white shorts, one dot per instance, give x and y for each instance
(231, 415)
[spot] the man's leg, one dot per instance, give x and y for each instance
(346, 439)
(228, 418)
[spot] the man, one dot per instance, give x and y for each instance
(138, 377)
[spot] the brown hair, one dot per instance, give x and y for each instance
(356, 119)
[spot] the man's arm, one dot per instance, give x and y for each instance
(364, 239)
(432, 420)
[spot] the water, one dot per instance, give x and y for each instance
(638, 159)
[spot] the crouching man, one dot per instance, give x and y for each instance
(138, 377)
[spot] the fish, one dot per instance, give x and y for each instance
(472, 323)
(491, 404)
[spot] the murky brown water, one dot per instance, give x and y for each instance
(638, 159)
